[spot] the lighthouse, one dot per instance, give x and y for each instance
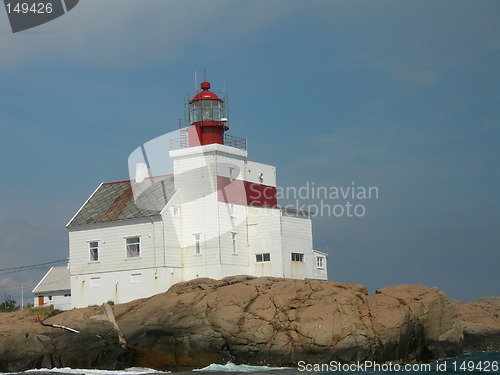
(206, 117)
(216, 215)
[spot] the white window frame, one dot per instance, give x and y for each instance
(233, 243)
(136, 278)
(127, 252)
(197, 243)
(320, 262)
(93, 247)
(299, 257)
(95, 281)
(262, 257)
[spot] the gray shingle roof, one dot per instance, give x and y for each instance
(56, 280)
(123, 200)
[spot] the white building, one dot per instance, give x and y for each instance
(54, 289)
(215, 216)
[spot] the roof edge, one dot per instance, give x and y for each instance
(320, 252)
(43, 278)
(170, 202)
(147, 218)
(147, 178)
(83, 205)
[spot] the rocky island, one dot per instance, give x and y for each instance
(251, 320)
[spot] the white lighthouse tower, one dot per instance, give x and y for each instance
(217, 215)
(230, 222)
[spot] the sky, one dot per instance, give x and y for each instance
(400, 96)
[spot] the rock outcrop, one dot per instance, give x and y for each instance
(480, 323)
(254, 321)
(26, 344)
(280, 321)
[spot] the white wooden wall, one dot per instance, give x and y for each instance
(59, 301)
(253, 171)
(264, 236)
(112, 246)
(297, 238)
(168, 242)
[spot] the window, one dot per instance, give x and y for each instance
(297, 257)
(133, 247)
(136, 277)
(94, 251)
(320, 262)
(260, 258)
(205, 110)
(233, 241)
(50, 298)
(197, 245)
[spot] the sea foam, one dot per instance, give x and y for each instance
(231, 367)
(71, 371)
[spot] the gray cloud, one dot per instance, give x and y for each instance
(123, 33)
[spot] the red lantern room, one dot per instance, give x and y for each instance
(206, 115)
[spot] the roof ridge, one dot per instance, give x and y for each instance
(152, 177)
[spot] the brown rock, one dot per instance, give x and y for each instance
(281, 321)
(256, 321)
(26, 344)
(480, 321)
(413, 322)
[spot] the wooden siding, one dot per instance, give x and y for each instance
(297, 238)
(112, 246)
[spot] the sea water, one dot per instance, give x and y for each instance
(471, 363)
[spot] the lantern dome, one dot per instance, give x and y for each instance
(205, 93)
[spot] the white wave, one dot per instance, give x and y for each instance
(231, 367)
(71, 371)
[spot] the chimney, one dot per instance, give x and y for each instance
(141, 172)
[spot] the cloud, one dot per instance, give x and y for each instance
(10, 286)
(122, 33)
(23, 243)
